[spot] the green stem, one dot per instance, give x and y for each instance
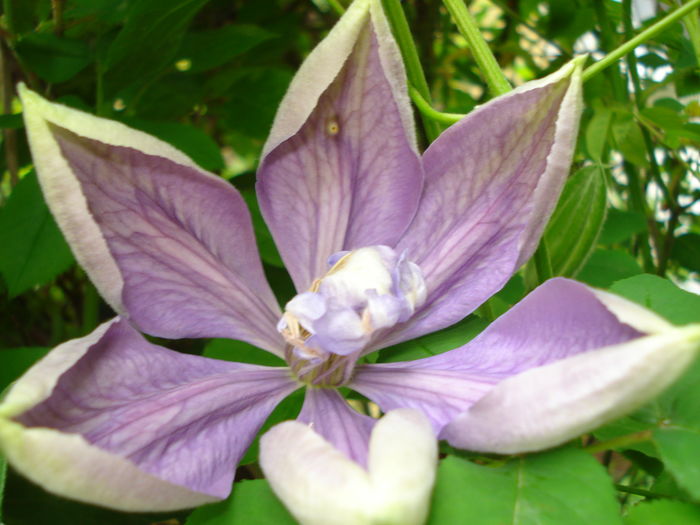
(414, 70)
(620, 442)
(337, 7)
(642, 37)
(426, 109)
(496, 80)
(638, 492)
(692, 25)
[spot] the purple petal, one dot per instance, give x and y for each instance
(548, 405)
(491, 183)
(182, 419)
(340, 169)
(329, 415)
(182, 240)
(559, 319)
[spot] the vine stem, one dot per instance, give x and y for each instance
(414, 70)
(642, 37)
(428, 111)
(496, 80)
(619, 442)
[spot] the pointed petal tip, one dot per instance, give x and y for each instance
(521, 414)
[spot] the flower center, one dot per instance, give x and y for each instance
(328, 326)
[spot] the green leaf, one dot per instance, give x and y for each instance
(679, 449)
(686, 250)
(32, 249)
(251, 503)
(629, 139)
(11, 121)
(190, 140)
(266, 244)
(563, 486)
(53, 58)
(434, 343)
(3, 473)
(597, 132)
(15, 361)
(287, 410)
(241, 352)
(621, 225)
(577, 221)
(209, 49)
(149, 41)
(255, 94)
(661, 296)
(604, 267)
(663, 512)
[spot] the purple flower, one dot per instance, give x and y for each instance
(383, 245)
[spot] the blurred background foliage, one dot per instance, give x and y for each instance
(207, 75)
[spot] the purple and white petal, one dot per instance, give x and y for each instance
(548, 405)
(492, 181)
(340, 169)
(559, 319)
(321, 486)
(114, 420)
(329, 414)
(173, 246)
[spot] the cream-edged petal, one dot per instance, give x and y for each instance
(403, 455)
(320, 485)
(67, 464)
(546, 406)
(62, 190)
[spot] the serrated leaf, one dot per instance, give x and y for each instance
(604, 267)
(661, 296)
(199, 146)
(577, 221)
(251, 503)
(686, 250)
(209, 49)
(32, 249)
(53, 58)
(621, 225)
(552, 488)
(663, 512)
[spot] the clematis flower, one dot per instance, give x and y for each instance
(383, 245)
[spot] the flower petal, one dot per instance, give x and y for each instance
(114, 420)
(329, 414)
(340, 169)
(172, 242)
(559, 319)
(549, 405)
(492, 181)
(320, 485)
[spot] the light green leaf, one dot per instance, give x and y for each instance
(563, 486)
(661, 296)
(32, 249)
(663, 512)
(604, 267)
(597, 132)
(629, 140)
(250, 503)
(679, 449)
(620, 225)
(577, 221)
